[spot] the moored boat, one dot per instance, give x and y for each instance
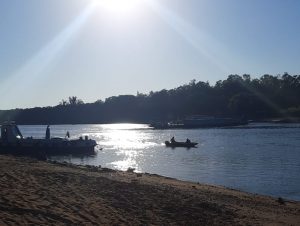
(13, 142)
(193, 122)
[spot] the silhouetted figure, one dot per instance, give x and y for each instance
(4, 135)
(48, 132)
(173, 140)
(67, 134)
(188, 141)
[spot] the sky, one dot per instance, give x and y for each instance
(94, 49)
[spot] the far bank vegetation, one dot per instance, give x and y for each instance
(238, 96)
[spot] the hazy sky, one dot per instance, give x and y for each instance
(95, 49)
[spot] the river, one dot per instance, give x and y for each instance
(260, 158)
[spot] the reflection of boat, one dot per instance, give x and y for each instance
(201, 122)
(12, 142)
(180, 144)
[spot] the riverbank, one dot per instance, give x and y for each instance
(36, 192)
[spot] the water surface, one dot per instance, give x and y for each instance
(259, 158)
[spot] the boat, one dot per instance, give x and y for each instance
(193, 122)
(13, 142)
(180, 144)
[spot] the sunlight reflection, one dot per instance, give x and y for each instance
(127, 141)
(124, 126)
(129, 159)
(125, 164)
(124, 139)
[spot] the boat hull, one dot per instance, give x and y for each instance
(207, 122)
(180, 144)
(12, 142)
(40, 149)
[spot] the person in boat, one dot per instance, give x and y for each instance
(48, 132)
(173, 140)
(188, 141)
(67, 134)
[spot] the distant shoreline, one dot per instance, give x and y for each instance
(276, 120)
(47, 192)
(237, 96)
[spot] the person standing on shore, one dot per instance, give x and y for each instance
(48, 132)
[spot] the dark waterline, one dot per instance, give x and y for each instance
(258, 158)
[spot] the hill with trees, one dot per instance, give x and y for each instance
(238, 96)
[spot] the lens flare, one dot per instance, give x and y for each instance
(119, 6)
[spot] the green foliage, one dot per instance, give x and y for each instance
(73, 100)
(240, 96)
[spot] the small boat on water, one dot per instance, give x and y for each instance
(180, 144)
(13, 142)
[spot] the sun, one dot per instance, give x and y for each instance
(119, 6)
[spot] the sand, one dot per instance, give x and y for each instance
(45, 193)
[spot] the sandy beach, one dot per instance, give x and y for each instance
(46, 193)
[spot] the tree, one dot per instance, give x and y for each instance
(99, 101)
(73, 100)
(63, 102)
(259, 98)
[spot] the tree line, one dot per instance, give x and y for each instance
(238, 96)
